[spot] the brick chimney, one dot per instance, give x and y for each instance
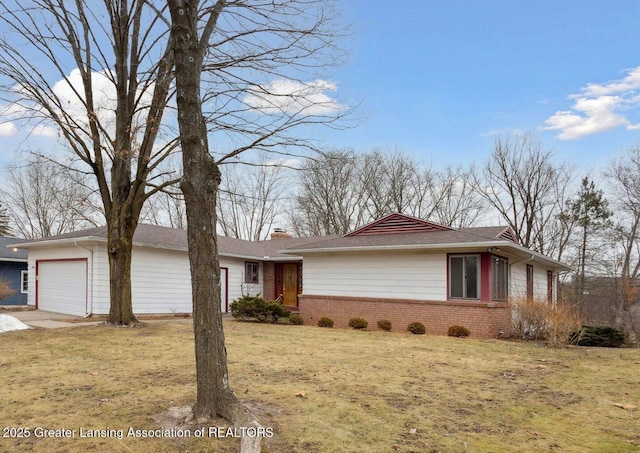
(279, 233)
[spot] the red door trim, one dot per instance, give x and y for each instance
(226, 289)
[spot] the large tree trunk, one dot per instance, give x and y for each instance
(119, 245)
(211, 356)
(200, 182)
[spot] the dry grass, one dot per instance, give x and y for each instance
(323, 390)
(539, 320)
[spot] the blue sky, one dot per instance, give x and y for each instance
(438, 79)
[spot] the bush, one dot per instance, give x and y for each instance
(358, 323)
(384, 324)
(458, 331)
(295, 319)
(605, 337)
(325, 322)
(416, 328)
(5, 289)
(541, 320)
(255, 307)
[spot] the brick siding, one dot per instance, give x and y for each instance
(483, 319)
(268, 280)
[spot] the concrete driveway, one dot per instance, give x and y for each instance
(44, 319)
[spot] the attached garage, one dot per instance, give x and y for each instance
(61, 286)
(72, 271)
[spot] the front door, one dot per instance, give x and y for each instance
(290, 285)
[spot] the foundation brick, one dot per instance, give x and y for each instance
(483, 319)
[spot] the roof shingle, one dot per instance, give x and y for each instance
(176, 239)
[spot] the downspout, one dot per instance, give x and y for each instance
(88, 308)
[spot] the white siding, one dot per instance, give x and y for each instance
(518, 287)
(160, 279)
(417, 276)
(99, 301)
(237, 286)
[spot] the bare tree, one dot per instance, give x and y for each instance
(250, 199)
(5, 229)
(342, 191)
(218, 48)
(521, 182)
(166, 207)
(623, 175)
(99, 74)
(331, 200)
(455, 201)
(47, 198)
(394, 182)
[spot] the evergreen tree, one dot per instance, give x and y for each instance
(590, 212)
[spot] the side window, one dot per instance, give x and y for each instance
(24, 282)
(500, 278)
(251, 272)
(529, 282)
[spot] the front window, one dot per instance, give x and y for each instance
(500, 278)
(251, 272)
(464, 277)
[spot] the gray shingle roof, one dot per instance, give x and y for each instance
(7, 253)
(176, 239)
(467, 235)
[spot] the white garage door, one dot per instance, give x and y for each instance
(223, 289)
(62, 286)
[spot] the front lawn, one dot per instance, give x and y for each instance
(320, 390)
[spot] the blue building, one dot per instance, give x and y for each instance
(13, 271)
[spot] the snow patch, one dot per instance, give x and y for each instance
(9, 323)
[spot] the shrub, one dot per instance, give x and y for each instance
(384, 324)
(541, 320)
(605, 337)
(295, 319)
(416, 328)
(5, 289)
(358, 323)
(255, 307)
(458, 331)
(325, 322)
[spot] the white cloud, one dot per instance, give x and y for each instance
(70, 94)
(629, 83)
(8, 130)
(598, 108)
(294, 97)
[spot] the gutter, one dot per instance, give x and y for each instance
(363, 248)
(525, 260)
